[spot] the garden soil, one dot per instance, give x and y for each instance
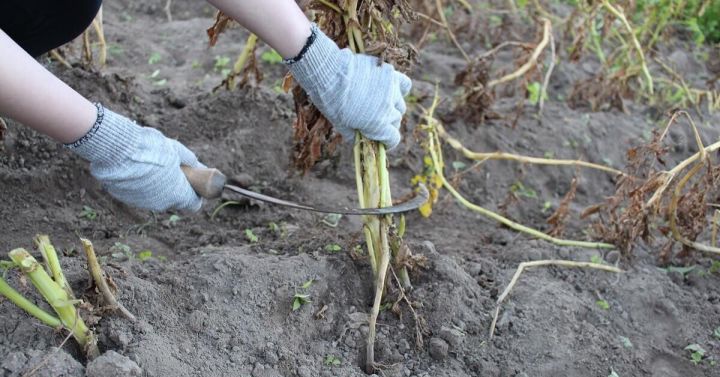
(212, 302)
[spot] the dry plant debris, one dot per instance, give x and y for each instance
(525, 265)
(653, 198)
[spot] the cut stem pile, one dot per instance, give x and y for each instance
(50, 282)
(55, 290)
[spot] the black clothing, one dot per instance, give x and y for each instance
(39, 26)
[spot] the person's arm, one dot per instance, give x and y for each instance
(34, 97)
(137, 165)
(279, 23)
(351, 90)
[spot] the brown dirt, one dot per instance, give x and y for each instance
(221, 305)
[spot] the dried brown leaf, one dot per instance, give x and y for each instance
(222, 22)
(557, 219)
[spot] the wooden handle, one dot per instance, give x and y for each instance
(207, 182)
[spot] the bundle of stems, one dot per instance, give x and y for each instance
(373, 186)
(55, 290)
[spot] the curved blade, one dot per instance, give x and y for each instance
(421, 196)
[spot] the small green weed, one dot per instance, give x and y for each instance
(250, 236)
(144, 255)
(333, 248)
(332, 219)
(155, 58)
(458, 165)
(602, 304)
(222, 65)
(534, 90)
(271, 57)
(301, 298)
(625, 342)
(332, 361)
(88, 213)
(696, 353)
(156, 79)
(172, 221)
(519, 189)
(714, 267)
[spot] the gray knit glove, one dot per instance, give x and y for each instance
(352, 90)
(138, 165)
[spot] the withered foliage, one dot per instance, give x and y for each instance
(314, 137)
(693, 212)
(557, 219)
(624, 218)
(222, 23)
(641, 210)
(477, 99)
(480, 82)
(601, 92)
(251, 68)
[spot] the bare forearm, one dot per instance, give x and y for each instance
(36, 98)
(279, 23)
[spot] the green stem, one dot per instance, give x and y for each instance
(18, 299)
(58, 298)
(47, 250)
(357, 154)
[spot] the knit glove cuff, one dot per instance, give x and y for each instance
(355, 92)
(111, 140)
(317, 65)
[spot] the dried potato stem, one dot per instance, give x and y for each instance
(435, 150)
(98, 26)
(669, 175)
(484, 156)
(547, 28)
(617, 12)
(524, 265)
(546, 80)
(97, 274)
(441, 13)
(56, 55)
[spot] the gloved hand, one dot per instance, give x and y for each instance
(351, 90)
(138, 165)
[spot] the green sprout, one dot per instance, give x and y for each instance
(154, 58)
(301, 298)
(696, 353)
(332, 361)
(271, 57)
(172, 221)
(88, 213)
(333, 248)
(144, 255)
(602, 304)
(250, 236)
(520, 189)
